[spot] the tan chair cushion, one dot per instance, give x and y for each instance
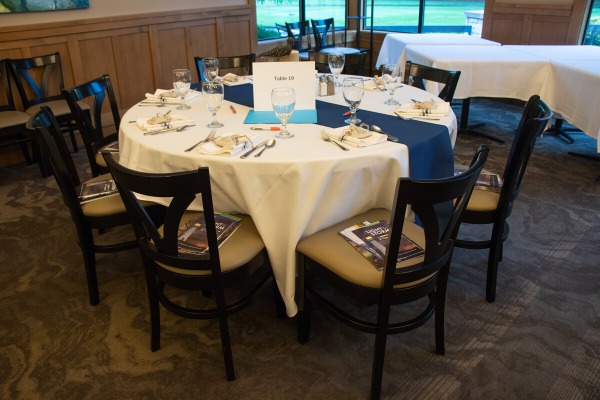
(241, 247)
(58, 107)
(482, 200)
(332, 251)
(100, 160)
(13, 118)
(105, 206)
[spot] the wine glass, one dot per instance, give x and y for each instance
(283, 100)
(353, 90)
(391, 76)
(336, 65)
(182, 80)
(210, 69)
(213, 92)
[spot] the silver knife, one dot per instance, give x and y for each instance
(246, 154)
(177, 128)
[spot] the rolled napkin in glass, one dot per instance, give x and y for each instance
(170, 97)
(377, 84)
(425, 108)
(234, 80)
(356, 136)
(163, 121)
(229, 145)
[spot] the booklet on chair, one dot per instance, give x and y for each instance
(486, 181)
(372, 240)
(112, 147)
(192, 235)
(94, 190)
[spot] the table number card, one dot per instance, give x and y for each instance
(297, 75)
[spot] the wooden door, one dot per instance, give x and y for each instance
(534, 22)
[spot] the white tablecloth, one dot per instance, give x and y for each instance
(297, 188)
(561, 53)
(393, 46)
(486, 71)
(572, 89)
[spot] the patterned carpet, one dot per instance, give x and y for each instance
(541, 339)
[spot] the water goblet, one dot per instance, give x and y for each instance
(336, 65)
(182, 80)
(391, 76)
(353, 91)
(210, 69)
(213, 92)
(283, 100)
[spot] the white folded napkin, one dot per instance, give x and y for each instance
(229, 147)
(171, 100)
(234, 80)
(372, 87)
(407, 110)
(339, 135)
(175, 121)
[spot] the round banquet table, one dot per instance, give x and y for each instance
(293, 190)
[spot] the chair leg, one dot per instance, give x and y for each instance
(71, 129)
(279, 304)
(89, 259)
(25, 150)
(225, 339)
(493, 260)
(440, 309)
(380, 342)
(39, 157)
(304, 304)
(152, 287)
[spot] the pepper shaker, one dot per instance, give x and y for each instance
(330, 86)
(322, 86)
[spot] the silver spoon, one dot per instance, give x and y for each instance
(377, 129)
(270, 143)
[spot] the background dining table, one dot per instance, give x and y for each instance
(303, 184)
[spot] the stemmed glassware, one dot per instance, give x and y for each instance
(213, 92)
(210, 69)
(391, 76)
(182, 80)
(336, 65)
(283, 100)
(353, 90)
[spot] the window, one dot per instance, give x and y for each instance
(592, 31)
(271, 15)
(438, 16)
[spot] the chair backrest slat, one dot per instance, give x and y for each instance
(5, 81)
(422, 72)
(428, 199)
(303, 30)
(242, 63)
(20, 70)
(320, 29)
(182, 187)
(354, 63)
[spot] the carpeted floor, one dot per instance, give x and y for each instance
(541, 339)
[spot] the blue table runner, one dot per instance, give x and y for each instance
(429, 146)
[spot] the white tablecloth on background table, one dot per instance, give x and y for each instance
(394, 44)
(572, 89)
(293, 190)
(560, 53)
(486, 71)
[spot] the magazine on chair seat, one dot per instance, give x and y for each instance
(192, 238)
(486, 180)
(372, 240)
(94, 190)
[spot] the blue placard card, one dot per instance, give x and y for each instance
(269, 117)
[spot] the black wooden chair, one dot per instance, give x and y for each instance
(321, 27)
(327, 256)
(103, 213)
(90, 129)
(303, 29)
(494, 208)
(354, 63)
(236, 260)
(12, 122)
(281, 29)
(242, 63)
(422, 72)
(22, 71)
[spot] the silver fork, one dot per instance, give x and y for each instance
(209, 137)
(328, 139)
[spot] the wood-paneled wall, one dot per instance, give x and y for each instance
(534, 22)
(137, 51)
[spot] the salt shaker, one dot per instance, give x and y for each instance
(322, 86)
(330, 86)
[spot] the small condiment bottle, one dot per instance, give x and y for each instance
(322, 86)
(330, 86)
